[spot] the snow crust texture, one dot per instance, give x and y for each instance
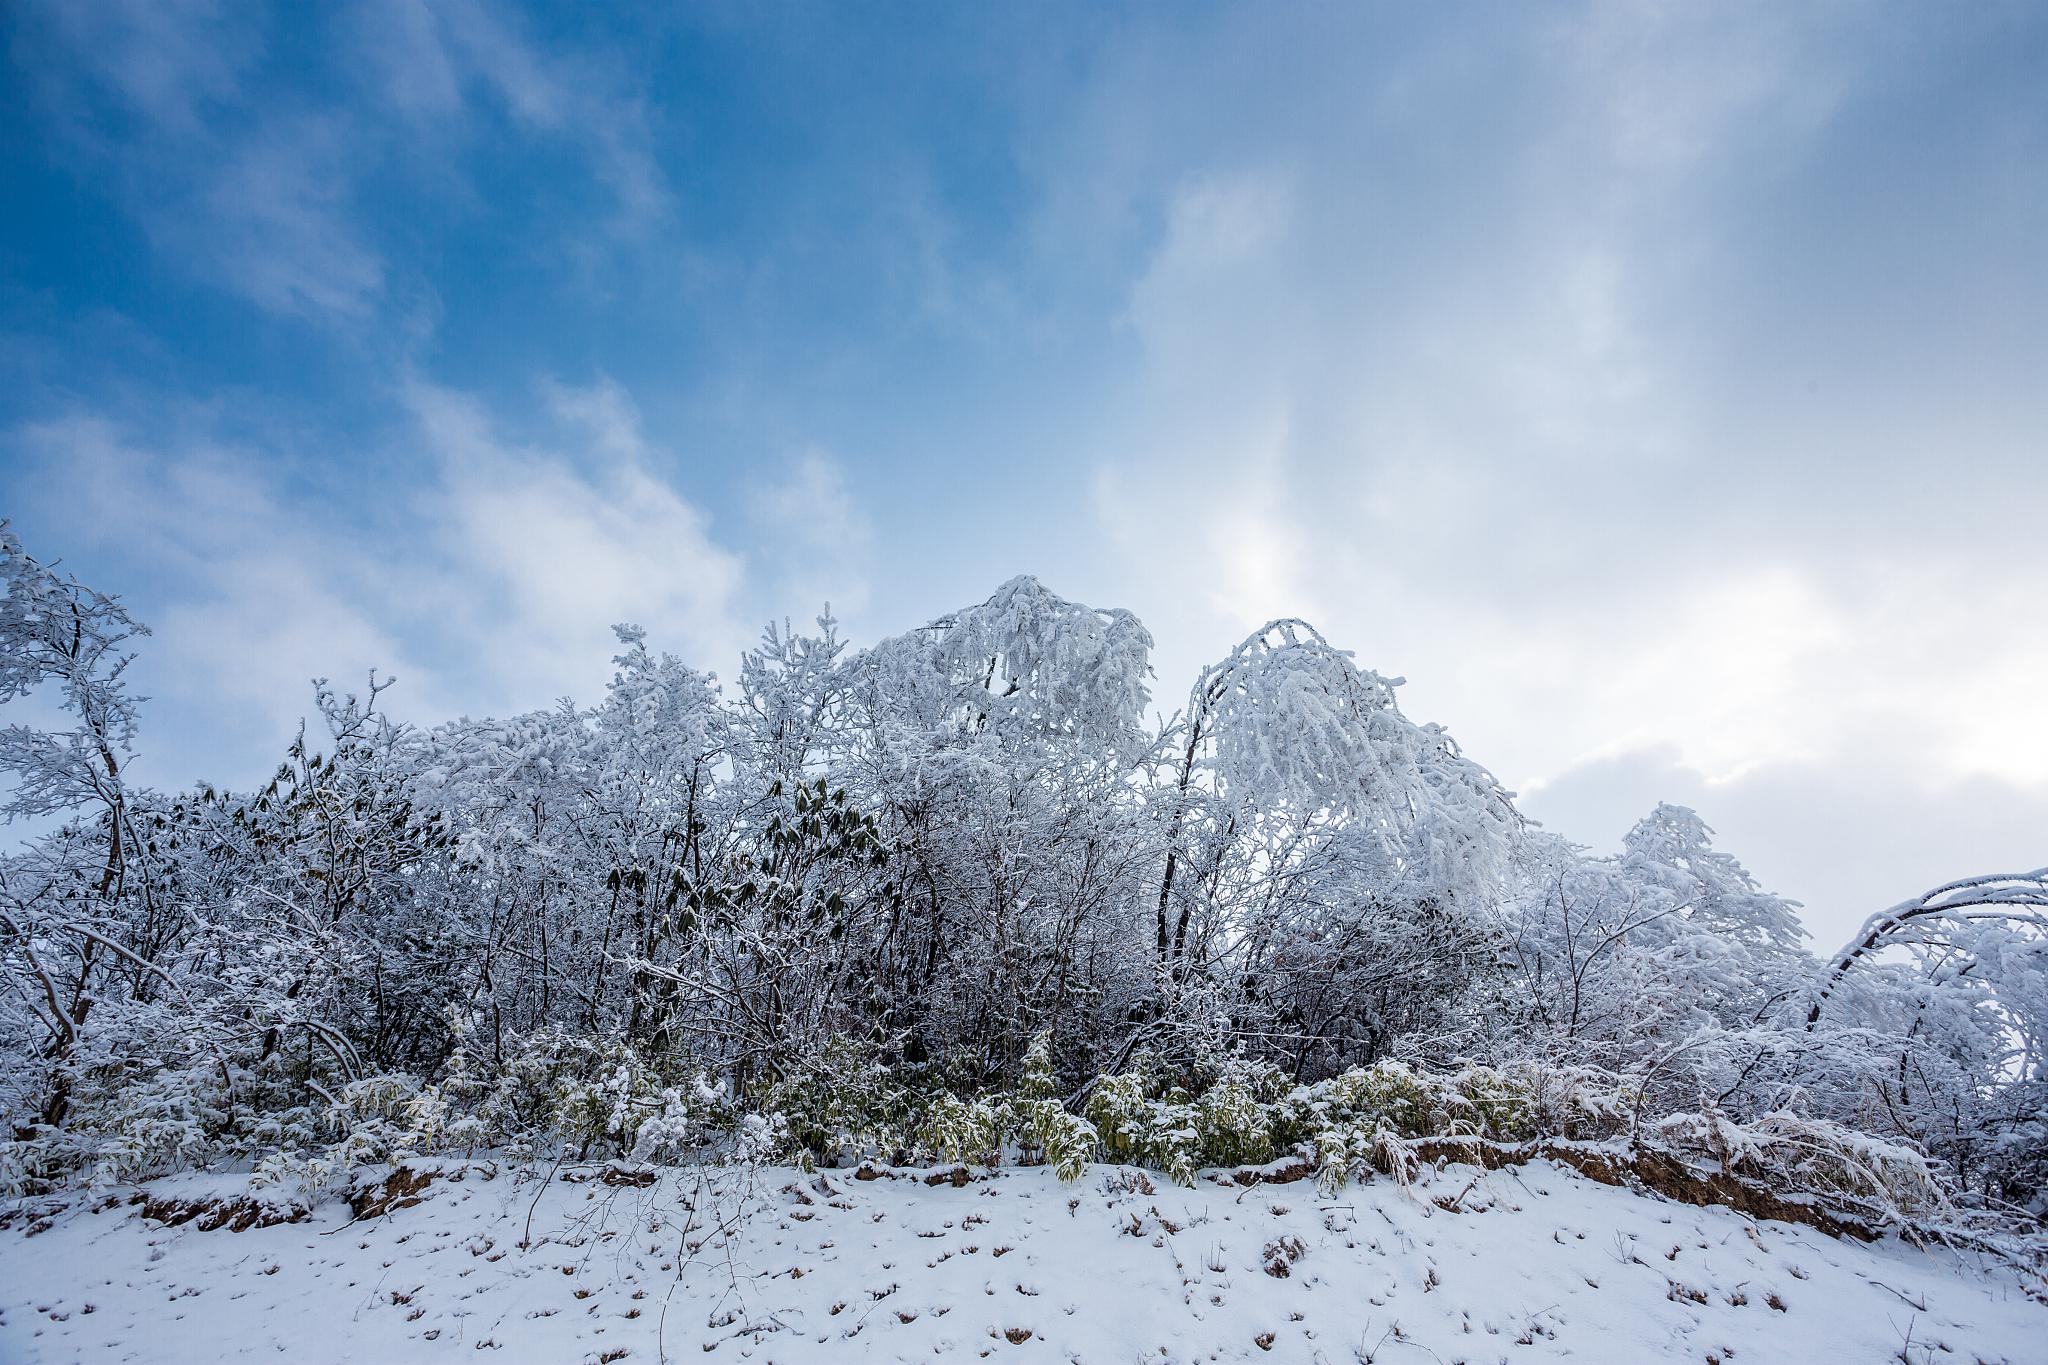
(778, 1265)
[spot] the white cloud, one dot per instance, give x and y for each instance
(489, 584)
(816, 542)
(1662, 87)
(275, 225)
(171, 61)
(1848, 836)
(249, 600)
(1514, 427)
(244, 171)
(425, 58)
(153, 100)
(544, 547)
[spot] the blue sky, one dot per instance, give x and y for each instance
(1659, 388)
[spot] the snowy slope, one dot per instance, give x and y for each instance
(1529, 1264)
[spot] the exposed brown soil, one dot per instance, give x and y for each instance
(957, 1176)
(1644, 1169)
(1647, 1168)
(1283, 1174)
(631, 1177)
(236, 1215)
(399, 1190)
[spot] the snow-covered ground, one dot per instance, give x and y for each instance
(1530, 1264)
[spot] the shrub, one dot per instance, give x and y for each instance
(1813, 1155)
(964, 1130)
(841, 1106)
(1134, 1127)
(1067, 1140)
(1233, 1122)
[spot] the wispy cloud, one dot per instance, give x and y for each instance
(171, 64)
(250, 597)
(249, 173)
(488, 584)
(544, 545)
(823, 542)
(275, 223)
(152, 101)
(430, 61)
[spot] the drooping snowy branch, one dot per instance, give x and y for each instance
(2019, 899)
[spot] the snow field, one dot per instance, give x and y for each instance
(777, 1265)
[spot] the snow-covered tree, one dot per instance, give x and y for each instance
(830, 909)
(1959, 975)
(66, 644)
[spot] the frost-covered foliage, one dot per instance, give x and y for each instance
(1379, 1120)
(1810, 1154)
(1243, 1113)
(950, 897)
(1025, 666)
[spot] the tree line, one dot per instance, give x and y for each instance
(828, 905)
